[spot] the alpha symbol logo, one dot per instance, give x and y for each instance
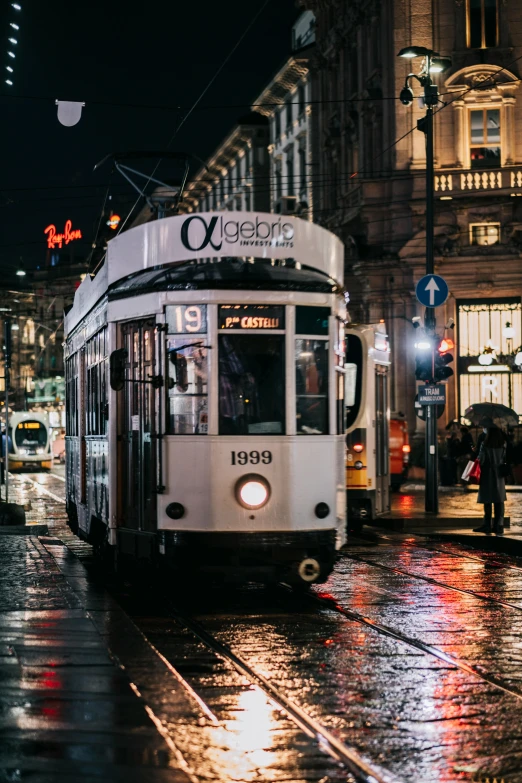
(207, 239)
(218, 231)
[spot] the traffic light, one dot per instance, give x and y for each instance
(424, 360)
(443, 358)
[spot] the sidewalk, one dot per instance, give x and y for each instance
(458, 514)
(68, 711)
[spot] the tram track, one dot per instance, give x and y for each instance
(449, 553)
(361, 769)
(435, 582)
(330, 601)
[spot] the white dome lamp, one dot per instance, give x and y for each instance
(508, 331)
(486, 357)
(518, 359)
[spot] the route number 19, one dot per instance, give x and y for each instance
(187, 319)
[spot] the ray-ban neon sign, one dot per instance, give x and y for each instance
(57, 240)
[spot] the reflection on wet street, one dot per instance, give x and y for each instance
(413, 664)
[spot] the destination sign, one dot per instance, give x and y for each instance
(245, 317)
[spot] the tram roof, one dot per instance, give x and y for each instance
(211, 235)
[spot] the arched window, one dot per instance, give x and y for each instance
(484, 117)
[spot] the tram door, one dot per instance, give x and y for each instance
(382, 439)
(138, 436)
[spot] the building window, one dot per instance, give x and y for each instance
(484, 233)
(302, 168)
(278, 180)
(238, 174)
(290, 187)
(222, 189)
(484, 138)
(248, 200)
(288, 113)
(482, 23)
(301, 99)
(277, 124)
(489, 335)
(214, 198)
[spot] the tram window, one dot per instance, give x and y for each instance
(188, 402)
(311, 385)
(251, 385)
(311, 320)
(353, 378)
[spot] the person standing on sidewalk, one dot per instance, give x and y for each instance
(492, 487)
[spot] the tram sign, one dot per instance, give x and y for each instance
(420, 410)
(246, 317)
(432, 394)
(186, 319)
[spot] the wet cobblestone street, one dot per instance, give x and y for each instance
(410, 656)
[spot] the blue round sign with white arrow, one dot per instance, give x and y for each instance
(432, 290)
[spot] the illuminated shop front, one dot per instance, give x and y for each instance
(490, 352)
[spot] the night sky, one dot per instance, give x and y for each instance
(109, 52)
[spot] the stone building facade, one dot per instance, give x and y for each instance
(286, 102)
(236, 176)
(369, 181)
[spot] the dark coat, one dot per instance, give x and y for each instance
(492, 488)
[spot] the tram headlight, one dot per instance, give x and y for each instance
(252, 491)
(358, 465)
(39, 451)
(358, 448)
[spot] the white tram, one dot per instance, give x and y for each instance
(205, 397)
(30, 441)
(367, 423)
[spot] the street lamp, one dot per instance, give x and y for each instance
(432, 63)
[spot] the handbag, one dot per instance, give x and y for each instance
(474, 475)
(472, 472)
(467, 470)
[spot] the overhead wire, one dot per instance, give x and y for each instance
(198, 100)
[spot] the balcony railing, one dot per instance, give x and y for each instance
(452, 182)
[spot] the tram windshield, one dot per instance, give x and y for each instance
(30, 433)
(251, 385)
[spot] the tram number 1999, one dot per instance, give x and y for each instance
(252, 457)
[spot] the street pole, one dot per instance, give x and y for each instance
(432, 61)
(7, 358)
(431, 500)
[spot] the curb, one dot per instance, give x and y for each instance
(405, 524)
(24, 530)
(492, 543)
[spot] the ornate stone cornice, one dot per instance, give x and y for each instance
(482, 79)
(284, 82)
